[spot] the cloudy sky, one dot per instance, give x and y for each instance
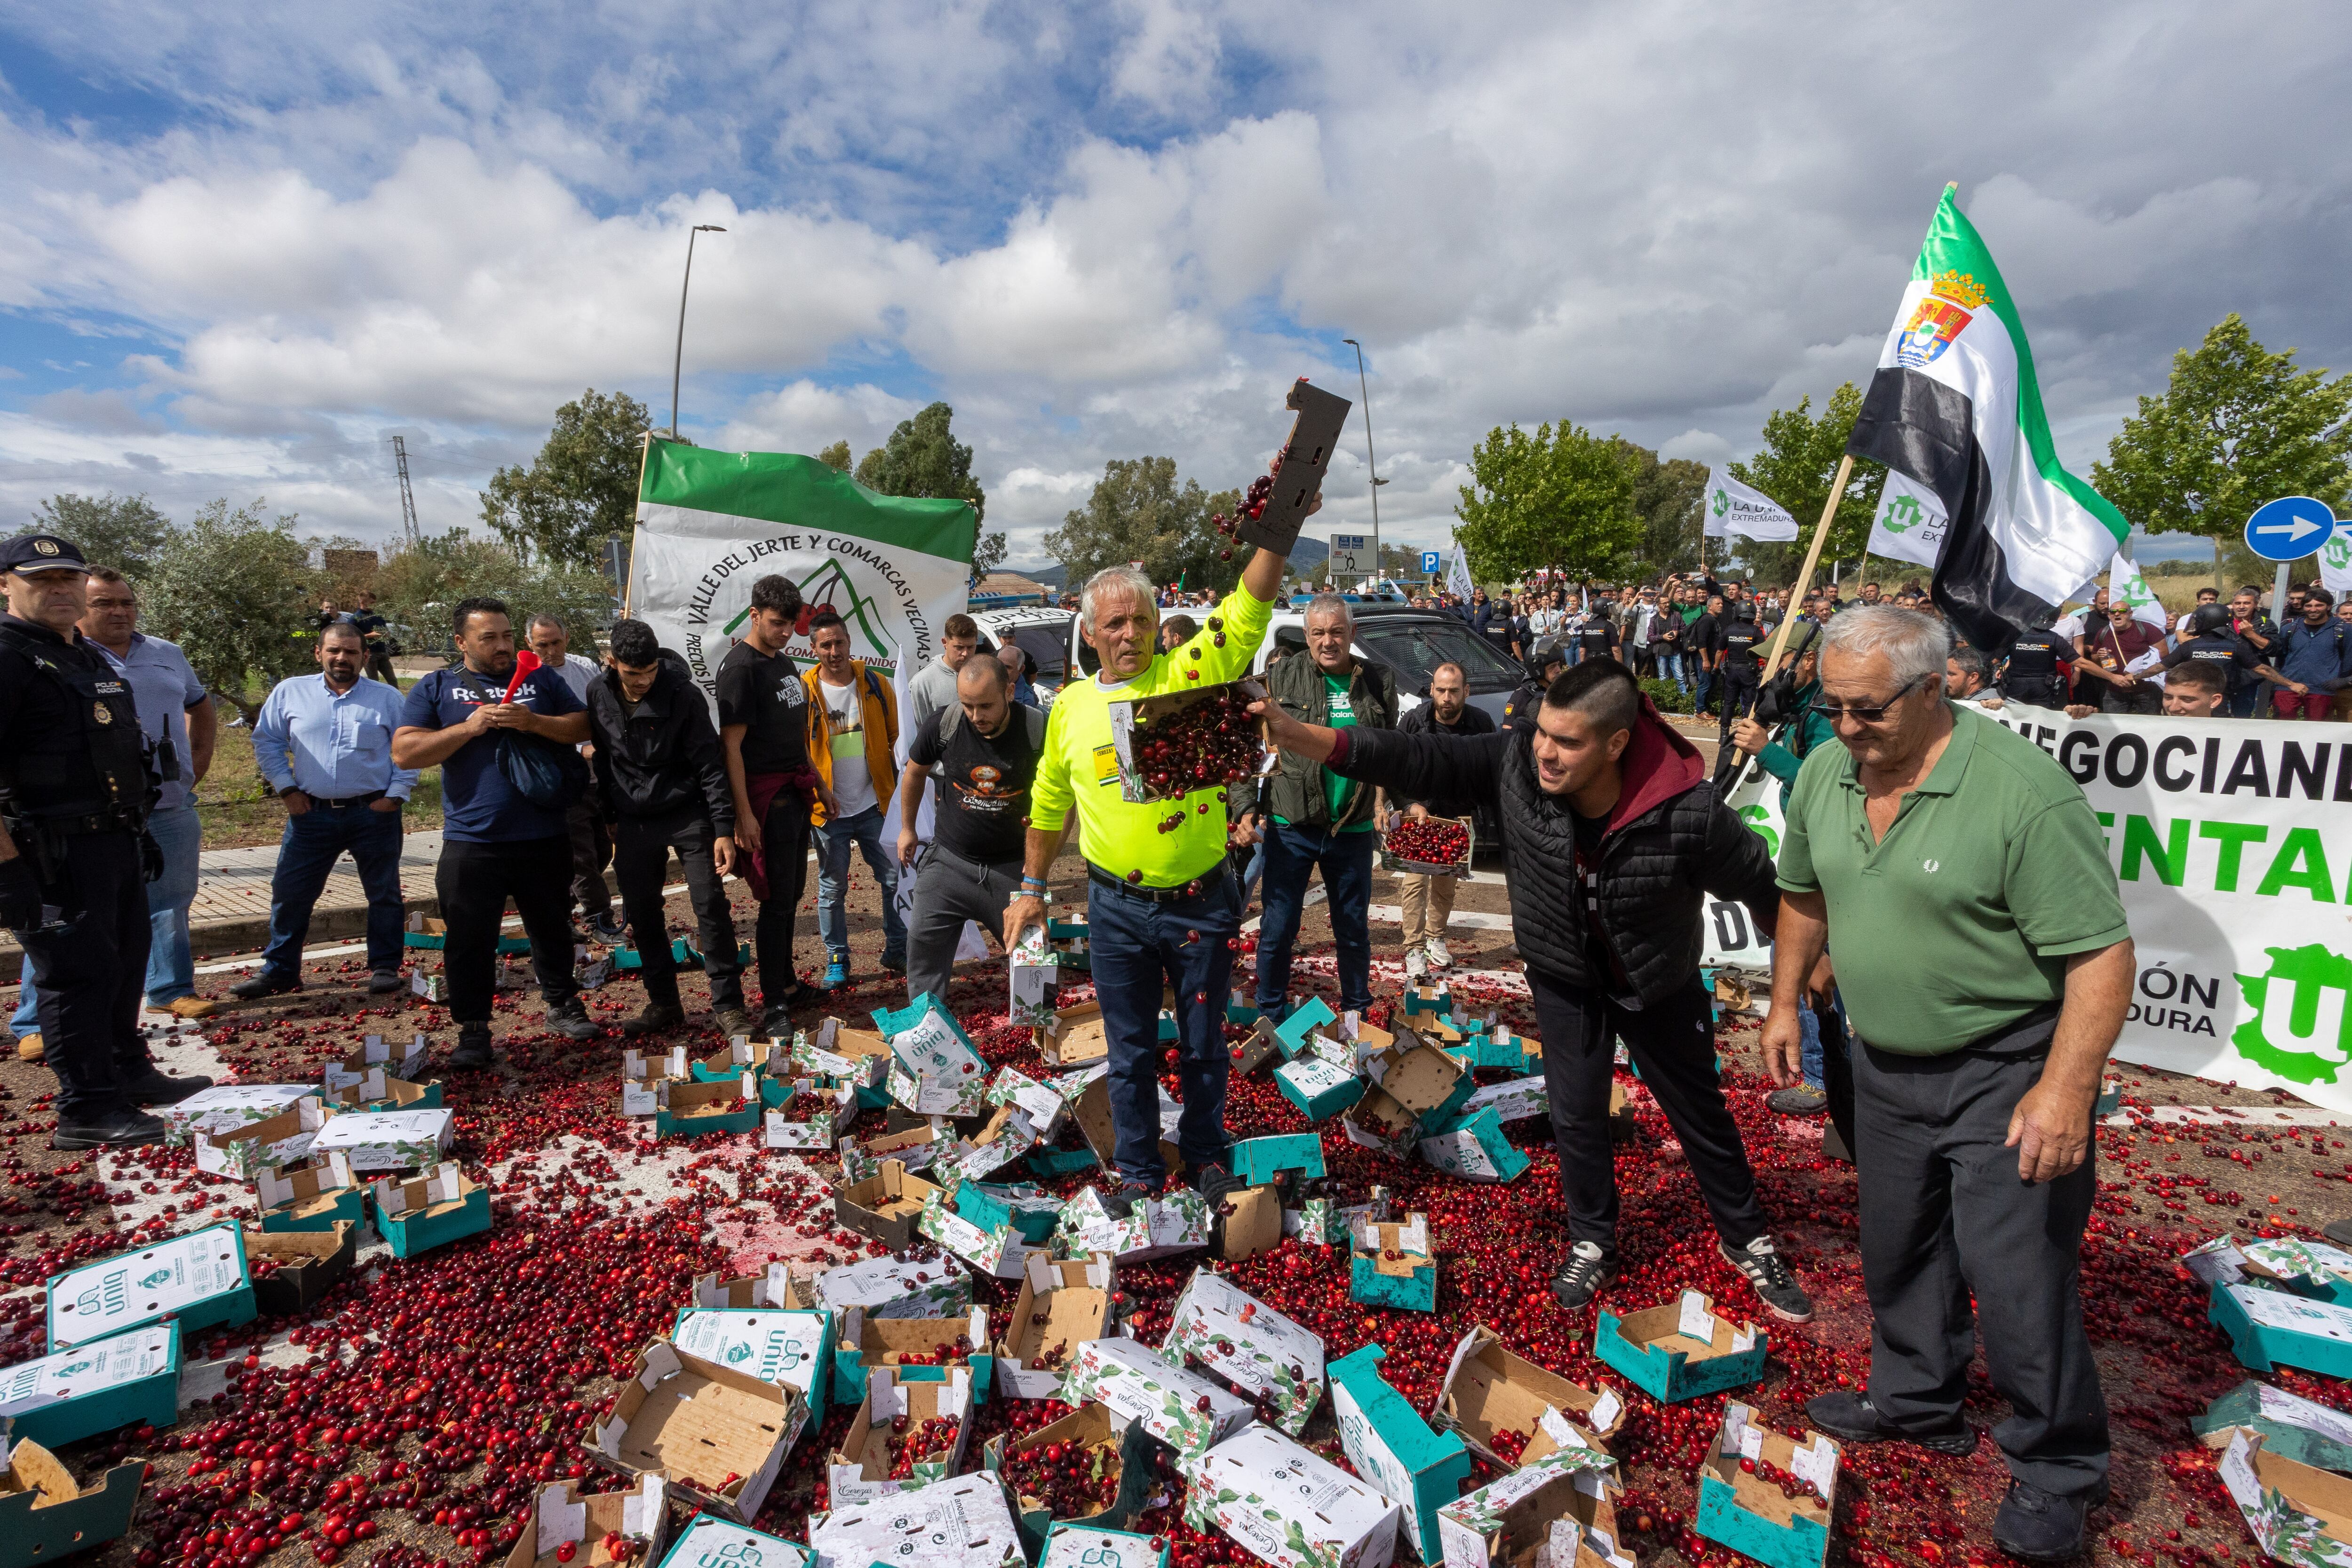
(242, 244)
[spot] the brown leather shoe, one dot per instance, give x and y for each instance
(194, 1007)
(30, 1050)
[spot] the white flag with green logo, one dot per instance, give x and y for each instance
(1734, 508)
(2126, 586)
(2335, 562)
(1910, 522)
(710, 524)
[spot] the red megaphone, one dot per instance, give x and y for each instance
(525, 662)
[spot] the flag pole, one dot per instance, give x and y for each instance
(1805, 580)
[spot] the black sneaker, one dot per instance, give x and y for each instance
(604, 930)
(2339, 1231)
(1215, 1185)
(1775, 1284)
(1120, 1204)
(571, 1021)
(1797, 1099)
(1588, 1271)
(657, 1016)
(893, 962)
(2035, 1526)
(152, 1088)
(386, 981)
(776, 1024)
(1851, 1418)
(264, 984)
(730, 1021)
(121, 1128)
(473, 1048)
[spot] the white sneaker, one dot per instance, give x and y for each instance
(1416, 966)
(1439, 956)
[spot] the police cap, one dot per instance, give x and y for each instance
(30, 553)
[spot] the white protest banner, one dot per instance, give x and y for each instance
(710, 524)
(1457, 576)
(1730, 940)
(2232, 841)
(1910, 522)
(1734, 508)
(2125, 586)
(2335, 562)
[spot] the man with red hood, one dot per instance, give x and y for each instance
(1614, 837)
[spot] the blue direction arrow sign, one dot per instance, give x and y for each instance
(2289, 528)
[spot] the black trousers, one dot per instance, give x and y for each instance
(641, 847)
(592, 852)
(784, 846)
(474, 882)
(1672, 1042)
(1943, 1216)
(92, 975)
(1736, 688)
(379, 668)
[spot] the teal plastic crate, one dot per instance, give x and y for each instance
(1392, 1447)
(710, 1541)
(200, 1279)
(1661, 1349)
(1320, 1088)
(2271, 1328)
(1408, 1281)
(1258, 1161)
(70, 1518)
(74, 1394)
(1751, 1517)
(1302, 1020)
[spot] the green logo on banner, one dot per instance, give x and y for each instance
(1760, 820)
(1901, 513)
(1722, 501)
(2336, 553)
(2298, 1027)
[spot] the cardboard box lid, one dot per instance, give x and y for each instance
(964, 1521)
(695, 1421)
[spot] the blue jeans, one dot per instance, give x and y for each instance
(307, 853)
(1670, 667)
(171, 966)
(1292, 853)
(1138, 946)
(834, 842)
(1702, 683)
(1809, 1033)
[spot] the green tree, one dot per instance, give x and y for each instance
(923, 458)
(1669, 497)
(2238, 425)
(120, 532)
(1138, 512)
(1799, 460)
(235, 590)
(580, 488)
(1562, 498)
(835, 457)
(415, 588)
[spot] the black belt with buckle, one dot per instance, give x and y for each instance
(1201, 886)
(349, 800)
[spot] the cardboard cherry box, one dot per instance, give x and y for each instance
(45, 1513)
(861, 1469)
(2292, 1426)
(2302, 1516)
(428, 1211)
(897, 1288)
(1258, 1161)
(642, 1077)
(743, 1054)
(1109, 1454)
(1075, 1039)
(692, 1109)
(407, 1061)
(1156, 1227)
(1391, 1447)
(317, 1194)
(380, 1141)
(1681, 1348)
(1286, 1507)
(1320, 1088)
(240, 1150)
(292, 1268)
(226, 1105)
(1475, 1150)
(964, 1521)
(1133, 723)
(915, 1148)
(1555, 1512)
(884, 1205)
(1034, 978)
(69, 1395)
(376, 1091)
(920, 1350)
(1389, 1264)
(1063, 1305)
(1007, 1134)
(1748, 1511)
(1489, 1391)
(936, 1072)
(710, 1542)
(1090, 1546)
(996, 1251)
(198, 1279)
(715, 1435)
(1231, 1334)
(2275, 1328)
(560, 1517)
(1032, 1212)
(837, 1050)
(785, 1345)
(1182, 1409)
(1044, 1104)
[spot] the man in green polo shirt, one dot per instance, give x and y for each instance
(1960, 882)
(1160, 906)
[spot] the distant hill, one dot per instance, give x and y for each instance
(1311, 552)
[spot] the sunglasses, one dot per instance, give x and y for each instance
(1871, 714)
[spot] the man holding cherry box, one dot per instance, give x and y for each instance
(1162, 908)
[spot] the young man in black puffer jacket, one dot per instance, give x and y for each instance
(1615, 838)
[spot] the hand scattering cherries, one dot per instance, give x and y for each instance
(1209, 744)
(1254, 499)
(1430, 841)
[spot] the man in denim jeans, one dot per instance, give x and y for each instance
(324, 742)
(853, 729)
(1318, 819)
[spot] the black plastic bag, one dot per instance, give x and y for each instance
(542, 773)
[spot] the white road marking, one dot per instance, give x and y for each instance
(2250, 1117)
(1468, 920)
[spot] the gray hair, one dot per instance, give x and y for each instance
(1916, 644)
(1132, 579)
(544, 619)
(1014, 657)
(1331, 605)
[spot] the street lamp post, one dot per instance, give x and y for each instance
(1371, 466)
(678, 359)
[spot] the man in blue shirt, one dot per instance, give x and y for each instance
(175, 711)
(2311, 663)
(497, 843)
(324, 742)
(592, 845)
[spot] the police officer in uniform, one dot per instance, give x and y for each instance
(2216, 642)
(1741, 640)
(2032, 675)
(1549, 663)
(77, 780)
